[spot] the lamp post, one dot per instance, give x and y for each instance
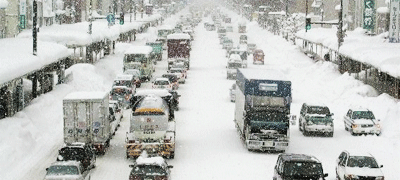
(90, 17)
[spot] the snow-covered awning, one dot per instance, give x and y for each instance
(371, 50)
(17, 57)
(3, 4)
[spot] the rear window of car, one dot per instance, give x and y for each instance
(302, 169)
(62, 170)
(149, 170)
(161, 83)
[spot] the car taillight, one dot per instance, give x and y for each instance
(133, 177)
(161, 178)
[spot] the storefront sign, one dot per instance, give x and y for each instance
(369, 15)
(394, 21)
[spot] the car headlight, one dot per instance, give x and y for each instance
(253, 136)
(378, 126)
(309, 123)
(351, 176)
(353, 126)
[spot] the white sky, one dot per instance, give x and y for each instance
(208, 146)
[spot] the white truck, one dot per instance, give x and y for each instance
(152, 128)
(86, 119)
(262, 109)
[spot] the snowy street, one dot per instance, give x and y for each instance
(207, 143)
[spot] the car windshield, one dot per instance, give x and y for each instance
(317, 110)
(62, 170)
(234, 65)
(363, 115)
(302, 169)
(69, 153)
(267, 116)
(362, 161)
(161, 83)
(149, 170)
(176, 71)
(119, 91)
(122, 83)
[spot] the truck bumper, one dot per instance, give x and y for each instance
(267, 145)
(166, 150)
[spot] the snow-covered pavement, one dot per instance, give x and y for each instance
(208, 146)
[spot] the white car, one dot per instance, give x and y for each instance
(361, 121)
(162, 83)
(115, 115)
(71, 170)
(181, 72)
(356, 166)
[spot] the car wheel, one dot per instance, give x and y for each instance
(330, 134)
(300, 129)
(345, 127)
(352, 132)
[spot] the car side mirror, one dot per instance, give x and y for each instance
(169, 166)
(326, 175)
(381, 166)
(131, 165)
(47, 169)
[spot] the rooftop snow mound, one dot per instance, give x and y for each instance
(178, 36)
(139, 50)
(261, 74)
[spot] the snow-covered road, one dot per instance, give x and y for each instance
(208, 146)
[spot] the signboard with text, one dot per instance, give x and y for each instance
(394, 21)
(369, 15)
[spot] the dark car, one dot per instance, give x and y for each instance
(298, 166)
(153, 168)
(81, 152)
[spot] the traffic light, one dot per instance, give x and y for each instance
(308, 23)
(121, 19)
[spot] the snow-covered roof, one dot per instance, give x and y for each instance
(372, 50)
(383, 10)
(178, 36)
(65, 163)
(161, 79)
(150, 160)
(166, 27)
(86, 95)
(124, 77)
(158, 92)
(235, 57)
(263, 74)
(277, 13)
(3, 4)
(139, 50)
(17, 57)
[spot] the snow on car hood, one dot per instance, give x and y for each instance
(62, 177)
(363, 121)
(364, 171)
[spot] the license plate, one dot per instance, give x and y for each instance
(268, 143)
(149, 132)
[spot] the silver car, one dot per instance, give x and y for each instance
(71, 170)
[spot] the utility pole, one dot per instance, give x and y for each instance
(90, 17)
(34, 28)
(340, 34)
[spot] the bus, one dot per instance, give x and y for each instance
(141, 58)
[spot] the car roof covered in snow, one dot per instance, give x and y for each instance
(86, 95)
(151, 161)
(179, 36)
(65, 163)
(158, 92)
(139, 50)
(161, 79)
(270, 74)
(124, 77)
